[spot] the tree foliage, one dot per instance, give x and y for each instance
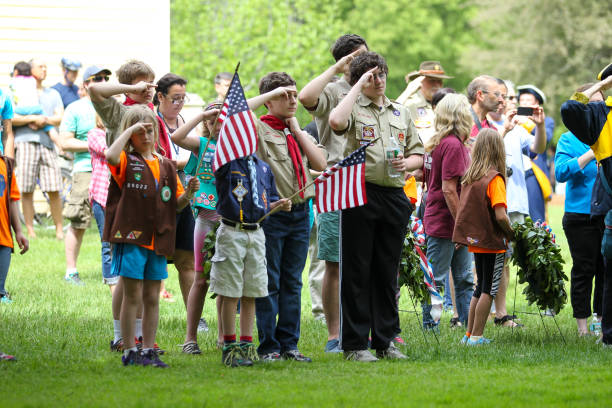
(555, 45)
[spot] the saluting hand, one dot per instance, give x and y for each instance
(210, 114)
(345, 61)
(367, 78)
(144, 88)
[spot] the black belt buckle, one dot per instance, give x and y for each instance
(241, 225)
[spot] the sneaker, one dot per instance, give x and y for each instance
(155, 346)
(478, 342)
(270, 357)
(151, 358)
(362, 356)
(7, 357)
(249, 351)
(116, 345)
(398, 341)
(191, 348)
(465, 339)
(6, 299)
(295, 355)
(74, 279)
(232, 356)
(203, 326)
(132, 358)
(333, 346)
(391, 353)
(167, 296)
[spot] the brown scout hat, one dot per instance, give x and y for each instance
(432, 69)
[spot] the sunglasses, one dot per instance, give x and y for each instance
(99, 78)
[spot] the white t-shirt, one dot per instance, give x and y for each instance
(515, 142)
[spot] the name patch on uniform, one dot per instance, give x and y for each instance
(367, 133)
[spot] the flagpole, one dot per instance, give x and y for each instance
(299, 191)
(197, 173)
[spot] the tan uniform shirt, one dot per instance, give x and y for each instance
(111, 112)
(331, 96)
(368, 122)
(272, 148)
(422, 114)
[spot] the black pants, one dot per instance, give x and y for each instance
(584, 239)
(372, 237)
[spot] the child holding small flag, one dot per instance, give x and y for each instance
(483, 225)
(372, 235)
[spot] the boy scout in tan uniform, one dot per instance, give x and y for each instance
(372, 235)
(422, 85)
(319, 97)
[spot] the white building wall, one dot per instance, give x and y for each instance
(105, 33)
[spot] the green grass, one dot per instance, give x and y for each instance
(60, 334)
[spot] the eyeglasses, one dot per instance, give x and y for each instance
(497, 94)
(99, 78)
(178, 100)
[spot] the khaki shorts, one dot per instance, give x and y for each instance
(239, 263)
(34, 161)
(77, 209)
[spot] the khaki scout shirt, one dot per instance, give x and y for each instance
(367, 122)
(331, 96)
(272, 148)
(111, 112)
(422, 114)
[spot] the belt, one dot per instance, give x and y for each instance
(241, 225)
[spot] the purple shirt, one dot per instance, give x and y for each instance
(449, 159)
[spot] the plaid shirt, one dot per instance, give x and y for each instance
(100, 176)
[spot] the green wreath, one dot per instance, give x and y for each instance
(540, 265)
(411, 275)
(208, 250)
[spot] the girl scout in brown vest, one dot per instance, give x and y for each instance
(482, 224)
(143, 198)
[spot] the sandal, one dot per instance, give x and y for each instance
(455, 322)
(501, 321)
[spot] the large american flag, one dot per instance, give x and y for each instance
(238, 135)
(342, 186)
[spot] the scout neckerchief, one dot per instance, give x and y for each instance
(292, 146)
(163, 144)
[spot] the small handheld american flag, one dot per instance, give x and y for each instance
(238, 135)
(342, 186)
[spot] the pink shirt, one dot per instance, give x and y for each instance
(100, 176)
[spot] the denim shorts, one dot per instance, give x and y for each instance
(135, 262)
(329, 236)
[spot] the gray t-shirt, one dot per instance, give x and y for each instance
(111, 112)
(50, 100)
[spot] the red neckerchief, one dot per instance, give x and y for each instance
(163, 145)
(294, 150)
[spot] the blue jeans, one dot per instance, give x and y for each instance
(448, 298)
(287, 236)
(5, 262)
(442, 255)
(107, 275)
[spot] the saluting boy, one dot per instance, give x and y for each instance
(289, 152)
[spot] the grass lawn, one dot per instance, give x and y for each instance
(60, 335)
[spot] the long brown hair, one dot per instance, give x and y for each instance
(488, 153)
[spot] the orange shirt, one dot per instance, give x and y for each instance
(118, 173)
(410, 189)
(496, 191)
(6, 237)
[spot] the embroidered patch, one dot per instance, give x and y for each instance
(118, 235)
(264, 198)
(367, 133)
(205, 201)
(137, 234)
(401, 137)
(137, 176)
(131, 235)
(472, 241)
(396, 112)
(166, 194)
(421, 111)
(211, 196)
